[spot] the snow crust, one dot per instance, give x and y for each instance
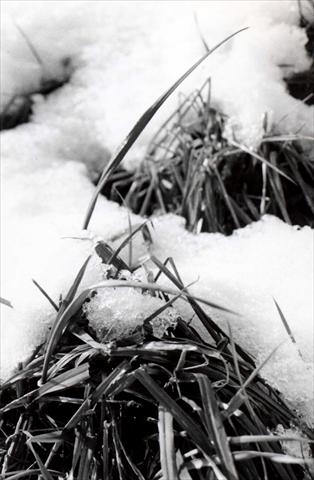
(123, 58)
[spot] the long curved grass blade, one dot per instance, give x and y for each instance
(139, 127)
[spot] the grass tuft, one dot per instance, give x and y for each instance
(216, 184)
(142, 407)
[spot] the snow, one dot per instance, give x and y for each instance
(40, 210)
(245, 272)
(123, 57)
(122, 62)
(107, 314)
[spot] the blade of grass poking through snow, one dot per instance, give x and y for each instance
(286, 325)
(200, 33)
(45, 294)
(5, 302)
(139, 127)
(29, 44)
(125, 242)
(166, 445)
(60, 323)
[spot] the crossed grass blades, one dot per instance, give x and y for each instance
(141, 407)
(216, 184)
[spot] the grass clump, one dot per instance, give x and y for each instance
(142, 407)
(216, 184)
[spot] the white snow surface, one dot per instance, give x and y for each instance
(245, 272)
(124, 56)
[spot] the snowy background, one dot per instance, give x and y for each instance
(123, 55)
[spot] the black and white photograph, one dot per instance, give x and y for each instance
(157, 247)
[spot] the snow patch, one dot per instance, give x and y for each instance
(124, 57)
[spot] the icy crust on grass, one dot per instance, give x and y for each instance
(124, 58)
(245, 272)
(115, 313)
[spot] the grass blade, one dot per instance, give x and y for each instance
(215, 428)
(238, 398)
(61, 319)
(166, 445)
(139, 127)
(5, 302)
(287, 327)
(181, 417)
(45, 294)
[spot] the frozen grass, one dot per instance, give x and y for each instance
(218, 185)
(144, 407)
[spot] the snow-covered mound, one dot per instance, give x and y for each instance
(124, 57)
(245, 272)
